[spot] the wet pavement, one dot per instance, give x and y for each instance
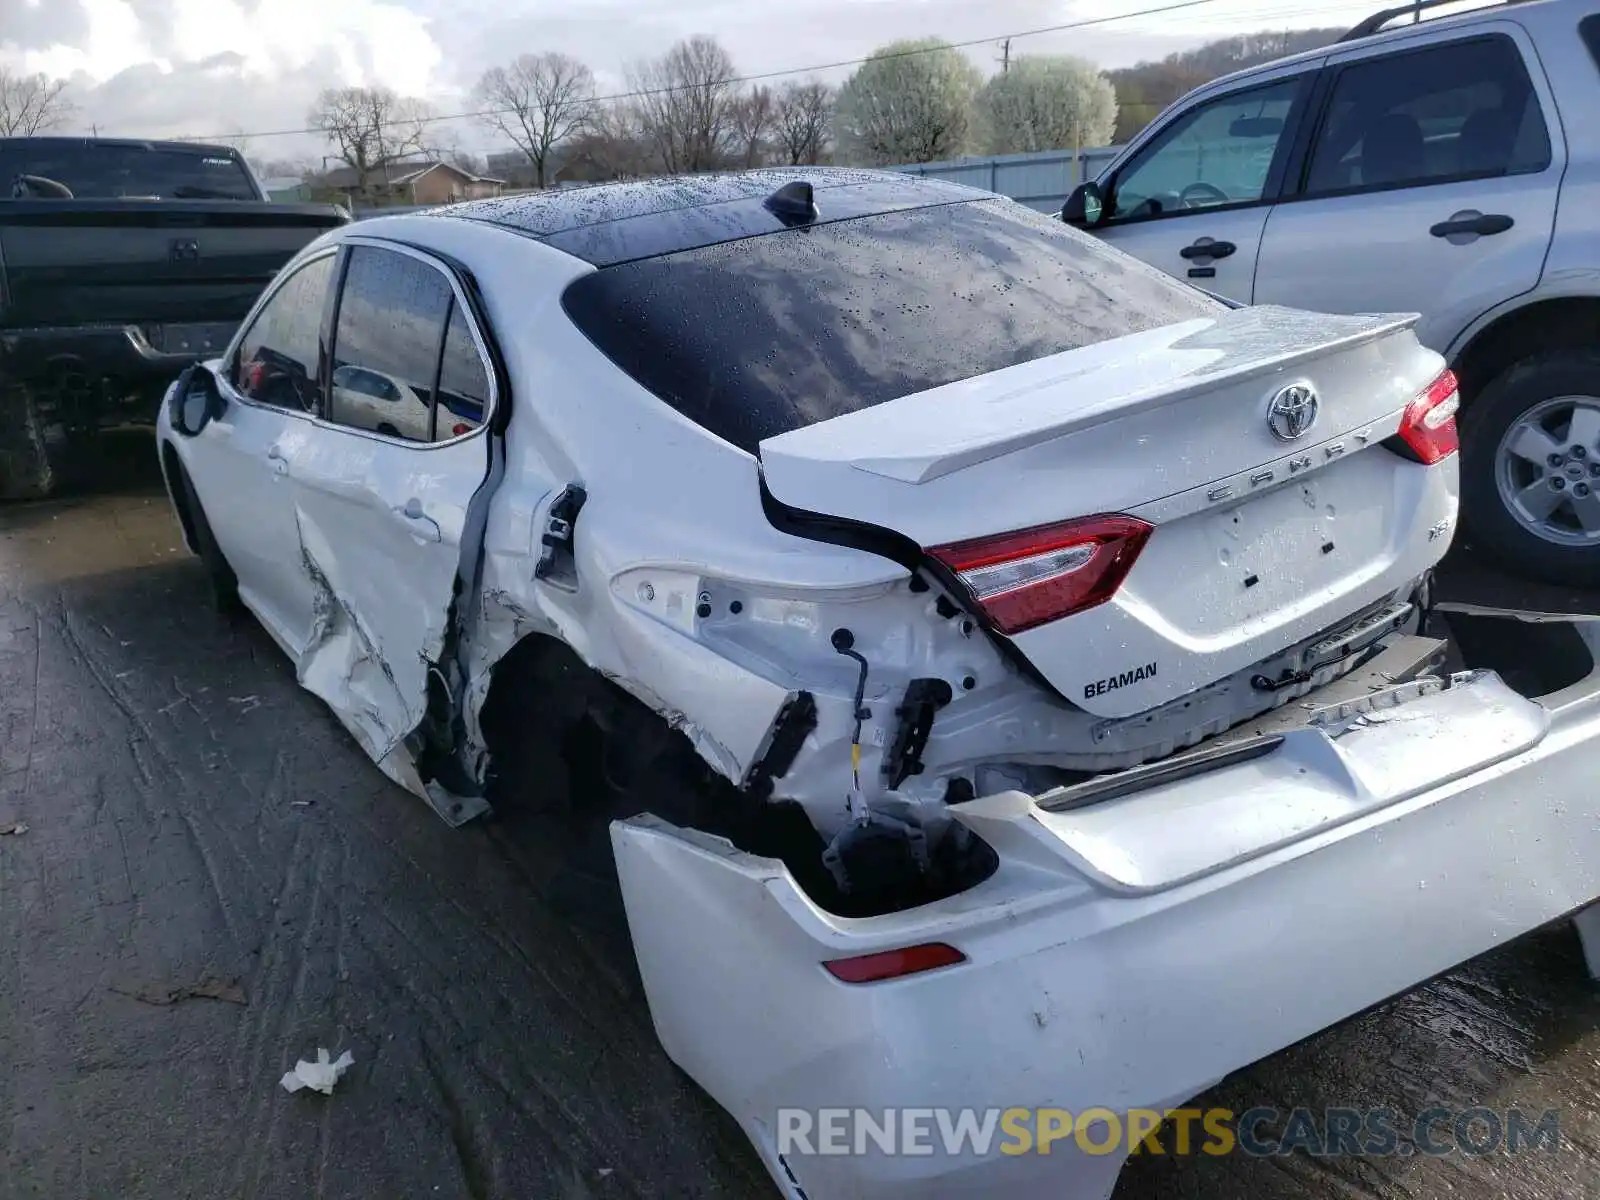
(195, 821)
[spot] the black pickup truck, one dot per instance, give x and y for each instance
(121, 262)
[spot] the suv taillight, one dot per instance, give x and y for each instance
(1034, 576)
(1427, 432)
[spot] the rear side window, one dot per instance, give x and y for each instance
(463, 380)
(392, 318)
(1589, 27)
(1464, 110)
(753, 338)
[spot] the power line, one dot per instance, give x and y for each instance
(756, 78)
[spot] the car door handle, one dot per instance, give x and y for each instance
(421, 524)
(1206, 248)
(1484, 225)
(280, 464)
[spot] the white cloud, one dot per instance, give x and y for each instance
(116, 42)
(374, 42)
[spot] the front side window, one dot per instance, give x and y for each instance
(1464, 110)
(280, 354)
(1218, 153)
(393, 313)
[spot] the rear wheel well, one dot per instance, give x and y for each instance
(573, 745)
(1529, 332)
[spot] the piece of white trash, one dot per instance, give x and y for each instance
(320, 1075)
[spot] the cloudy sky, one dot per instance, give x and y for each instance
(166, 68)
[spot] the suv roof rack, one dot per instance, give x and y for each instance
(1377, 21)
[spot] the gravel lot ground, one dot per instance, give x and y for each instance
(195, 820)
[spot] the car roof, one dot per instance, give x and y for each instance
(614, 223)
(1429, 24)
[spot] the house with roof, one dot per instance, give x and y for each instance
(420, 182)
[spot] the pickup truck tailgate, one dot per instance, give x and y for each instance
(97, 262)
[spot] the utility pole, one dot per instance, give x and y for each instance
(1005, 56)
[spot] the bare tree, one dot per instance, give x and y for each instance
(753, 118)
(538, 101)
(369, 129)
(611, 145)
(31, 104)
(801, 120)
(685, 104)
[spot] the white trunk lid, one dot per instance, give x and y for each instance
(1259, 542)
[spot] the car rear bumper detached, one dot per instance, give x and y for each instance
(1127, 954)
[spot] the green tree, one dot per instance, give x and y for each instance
(1046, 103)
(910, 102)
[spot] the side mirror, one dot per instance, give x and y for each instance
(194, 400)
(1085, 207)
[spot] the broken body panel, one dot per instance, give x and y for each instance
(1127, 954)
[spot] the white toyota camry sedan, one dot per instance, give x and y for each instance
(998, 674)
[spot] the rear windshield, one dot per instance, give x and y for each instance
(754, 338)
(100, 172)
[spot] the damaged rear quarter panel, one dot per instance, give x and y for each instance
(663, 495)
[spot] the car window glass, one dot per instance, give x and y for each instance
(463, 381)
(279, 354)
(1217, 153)
(758, 336)
(392, 315)
(1458, 111)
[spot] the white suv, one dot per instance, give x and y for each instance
(1448, 167)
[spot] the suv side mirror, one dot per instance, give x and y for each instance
(194, 401)
(1085, 207)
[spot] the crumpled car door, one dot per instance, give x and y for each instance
(382, 530)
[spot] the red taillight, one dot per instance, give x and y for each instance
(1428, 430)
(893, 964)
(1032, 576)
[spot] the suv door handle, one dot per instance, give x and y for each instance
(1206, 248)
(1484, 225)
(280, 464)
